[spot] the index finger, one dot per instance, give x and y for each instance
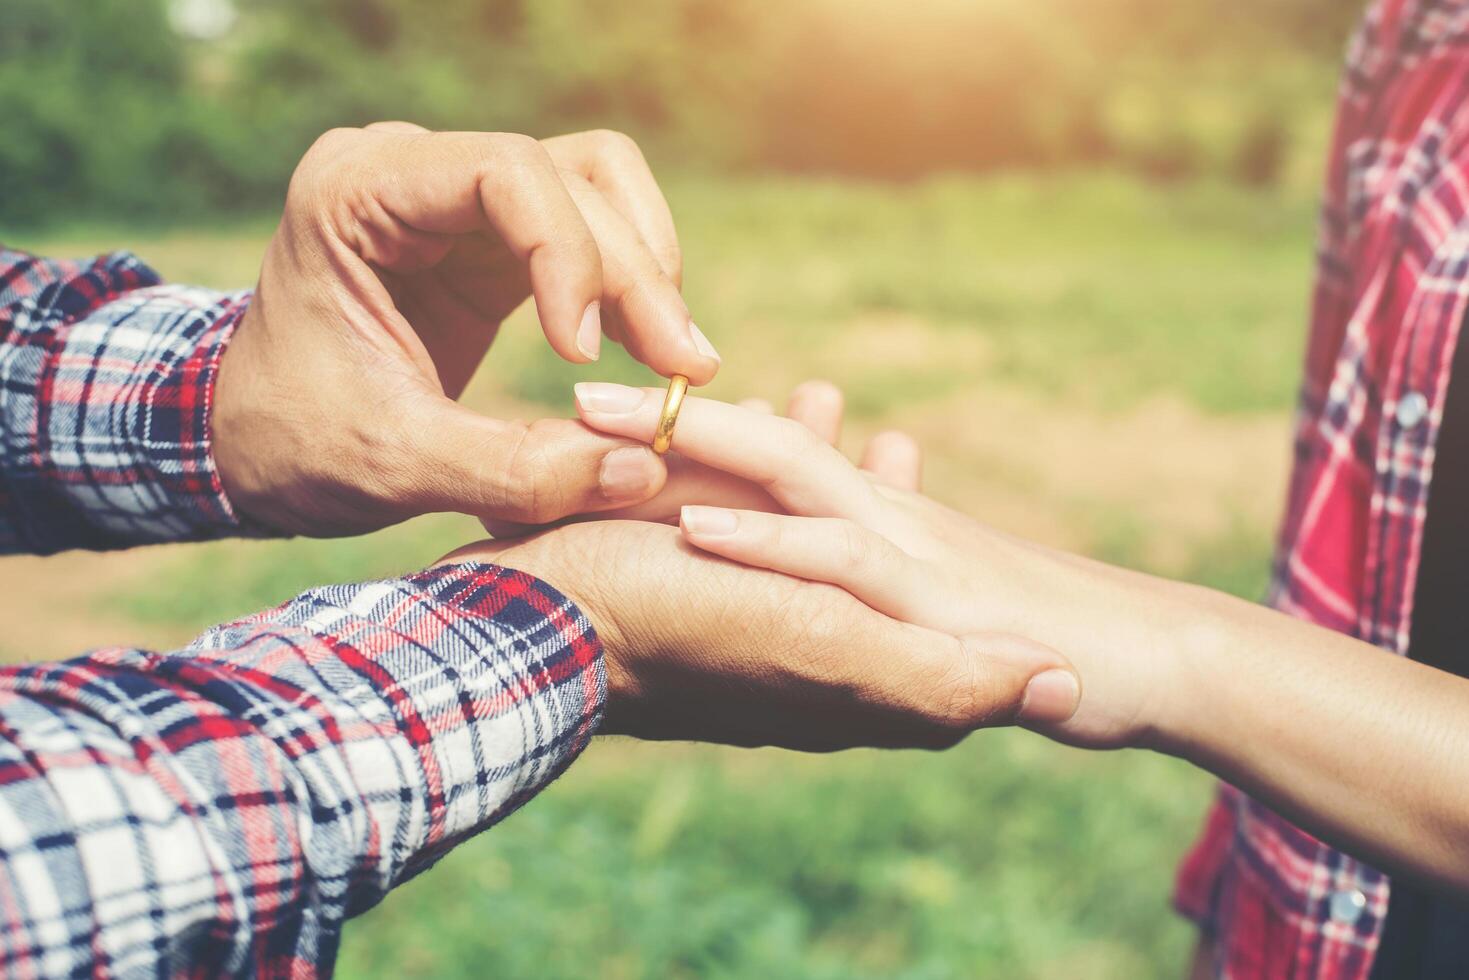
(613, 164)
(793, 464)
(457, 183)
(655, 324)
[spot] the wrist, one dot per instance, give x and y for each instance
(234, 419)
(1192, 639)
(1143, 647)
(569, 576)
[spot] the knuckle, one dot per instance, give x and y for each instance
(551, 486)
(962, 701)
(578, 185)
(813, 627)
(583, 247)
(790, 442)
(518, 145)
(528, 491)
(511, 162)
(626, 288)
(526, 157)
(615, 142)
(671, 258)
(775, 532)
(401, 126)
(795, 440)
(575, 251)
(316, 172)
(856, 544)
(335, 139)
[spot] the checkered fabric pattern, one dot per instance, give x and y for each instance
(1392, 291)
(105, 377)
(220, 810)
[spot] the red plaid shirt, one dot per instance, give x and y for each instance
(1392, 292)
(220, 810)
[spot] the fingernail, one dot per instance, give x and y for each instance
(709, 522)
(627, 472)
(589, 334)
(1050, 697)
(701, 342)
(609, 399)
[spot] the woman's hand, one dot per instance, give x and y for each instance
(914, 560)
(399, 253)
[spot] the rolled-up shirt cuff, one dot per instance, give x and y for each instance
(478, 684)
(109, 379)
(229, 805)
(132, 449)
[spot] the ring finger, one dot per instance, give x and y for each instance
(797, 467)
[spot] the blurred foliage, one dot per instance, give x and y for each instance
(112, 112)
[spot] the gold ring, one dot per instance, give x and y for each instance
(672, 402)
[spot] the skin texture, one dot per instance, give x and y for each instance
(1362, 748)
(700, 648)
(399, 254)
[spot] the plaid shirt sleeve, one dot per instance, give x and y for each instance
(222, 809)
(105, 383)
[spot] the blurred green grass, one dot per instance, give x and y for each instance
(1006, 857)
(1080, 296)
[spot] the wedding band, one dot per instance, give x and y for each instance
(672, 402)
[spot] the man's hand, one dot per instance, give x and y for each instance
(699, 648)
(399, 254)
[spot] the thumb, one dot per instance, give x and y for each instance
(934, 688)
(988, 680)
(1049, 689)
(524, 473)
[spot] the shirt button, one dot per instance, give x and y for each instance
(1347, 905)
(1412, 409)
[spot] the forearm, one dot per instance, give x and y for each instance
(1367, 750)
(223, 809)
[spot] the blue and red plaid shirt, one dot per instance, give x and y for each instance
(1391, 294)
(222, 809)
